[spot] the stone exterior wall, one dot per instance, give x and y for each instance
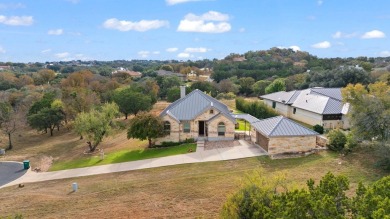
(213, 129)
(321, 141)
(280, 145)
(177, 133)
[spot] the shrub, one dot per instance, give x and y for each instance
(319, 129)
(257, 109)
(226, 96)
(172, 143)
(337, 140)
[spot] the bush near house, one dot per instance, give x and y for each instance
(337, 140)
(257, 109)
(319, 129)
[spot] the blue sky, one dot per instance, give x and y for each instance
(61, 30)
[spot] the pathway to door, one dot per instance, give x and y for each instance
(245, 150)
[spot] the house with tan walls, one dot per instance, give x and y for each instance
(198, 116)
(322, 106)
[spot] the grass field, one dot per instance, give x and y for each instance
(123, 156)
(181, 191)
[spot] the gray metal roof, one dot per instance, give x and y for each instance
(193, 104)
(334, 93)
(318, 100)
(280, 126)
(282, 96)
(247, 117)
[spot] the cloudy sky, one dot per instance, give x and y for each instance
(55, 30)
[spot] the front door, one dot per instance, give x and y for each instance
(201, 128)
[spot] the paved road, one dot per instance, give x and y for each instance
(10, 171)
(201, 155)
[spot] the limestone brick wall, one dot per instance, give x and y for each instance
(213, 128)
(332, 124)
(321, 141)
(175, 131)
(279, 145)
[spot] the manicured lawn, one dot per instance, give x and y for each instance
(242, 125)
(123, 156)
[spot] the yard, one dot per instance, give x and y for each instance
(182, 191)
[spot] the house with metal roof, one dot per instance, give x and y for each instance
(280, 135)
(322, 106)
(198, 116)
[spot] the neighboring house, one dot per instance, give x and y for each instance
(322, 106)
(198, 116)
(5, 67)
(280, 135)
(133, 74)
(164, 73)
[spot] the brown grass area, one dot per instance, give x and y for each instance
(65, 145)
(182, 191)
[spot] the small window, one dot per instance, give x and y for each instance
(167, 127)
(211, 111)
(274, 104)
(294, 110)
(186, 127)
(221, 129)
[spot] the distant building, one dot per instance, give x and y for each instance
(322, 106)
(133, 74)
(164, 73)
(5, 67)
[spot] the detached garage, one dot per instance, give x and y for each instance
(279, 135)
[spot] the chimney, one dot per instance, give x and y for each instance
(182, 91)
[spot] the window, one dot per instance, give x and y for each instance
(167, 127)
(211, 111)
(186, 127)
(274, 104)
(221, 129)
(294, 110)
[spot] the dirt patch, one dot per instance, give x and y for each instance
(209, 145)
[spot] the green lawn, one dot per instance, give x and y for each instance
(242, 125)
(124, 156)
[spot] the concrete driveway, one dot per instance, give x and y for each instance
(10, 171)
(201, 155)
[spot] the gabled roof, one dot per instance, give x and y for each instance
(251, 119)
(281, 126)
(194, 104)
(283, 96)
(318, 100)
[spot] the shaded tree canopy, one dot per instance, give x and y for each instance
(146, 126)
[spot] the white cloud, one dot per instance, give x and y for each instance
(340, 34)
(173, 49)
(384, 53)
(144, 54)
(192, 50)
(17, 20)
(156, 52)
(55, 32)
(295, 48)
(374, 34)
(46, 51)
(184, 55)
(12, 6)
(141, 26)
(62, 55)
(322, 45)
(320, 2)
(241, 30)
(210, 22)
(2, 50)
(174, 2)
